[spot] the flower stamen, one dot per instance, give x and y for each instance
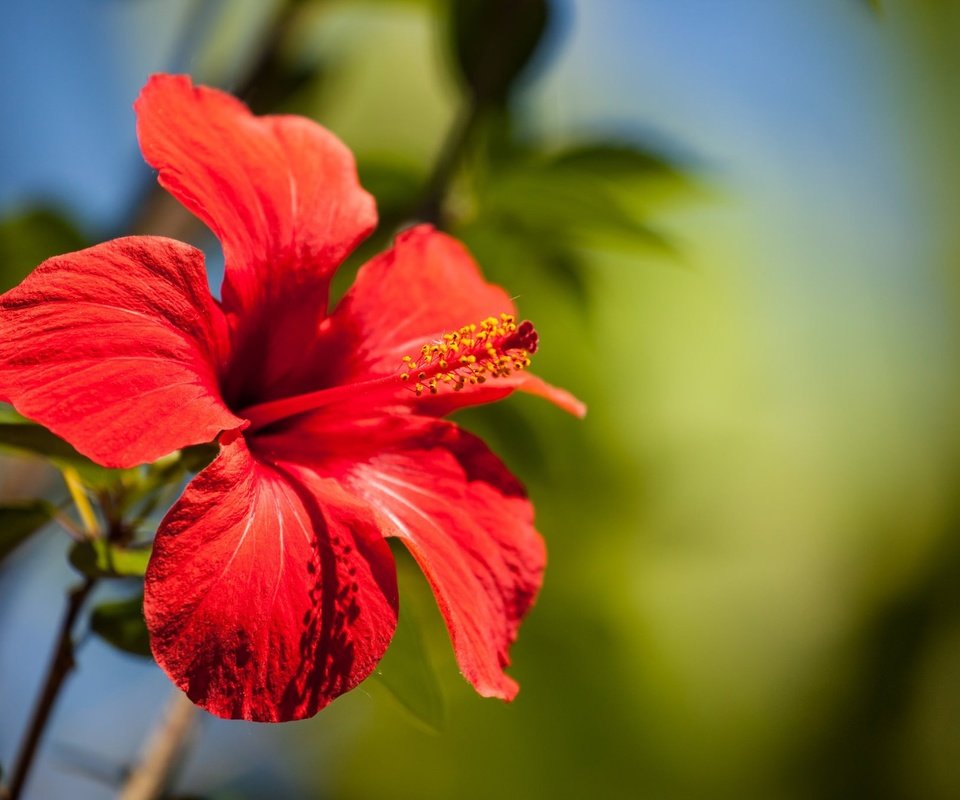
(492, 348)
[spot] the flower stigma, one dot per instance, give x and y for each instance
(493, 348)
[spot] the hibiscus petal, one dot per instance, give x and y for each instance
(280, 192)
(270, 592)
(426, 285)
(468, 523)
(116, 348)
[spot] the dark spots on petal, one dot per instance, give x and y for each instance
(243, 652)
(327, 652)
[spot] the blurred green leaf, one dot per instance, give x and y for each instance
(197, 457)
(37, 439)
(501, 143)
(493, 41)
(19, 521)
(542, 201)
(121, 623)
(394, 184)
(504, 249)
(100, 559)
(142, 490)
(547, 210)
(406, 671)
(613, 160)
(9, 414)
(31, 236)
(19, 434)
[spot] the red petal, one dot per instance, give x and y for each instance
(280, 192)
(269, 593)
(117, 348)
(426, 285)
(468, 523)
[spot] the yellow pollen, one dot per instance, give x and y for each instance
(493, 348)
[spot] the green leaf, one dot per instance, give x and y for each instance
(406, 671)
(197, 457)
(29, 237)
(9, 414)
(19, 521)
(613, 160)
(539, 201)
(394, 184)
(100, 559)
(121, 623)
(600, 192)
(17, 433)
(500, 246)
(37, 439)
(493, 41)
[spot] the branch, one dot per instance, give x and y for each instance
(430, 206)
(60, 667)
(148, 779)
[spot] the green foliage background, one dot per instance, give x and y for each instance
(753, 537)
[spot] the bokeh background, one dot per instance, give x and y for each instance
(736, 227)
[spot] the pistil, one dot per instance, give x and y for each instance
(493, 348)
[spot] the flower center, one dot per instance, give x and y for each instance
(493, 348)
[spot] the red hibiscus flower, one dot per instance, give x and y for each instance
(271, 589)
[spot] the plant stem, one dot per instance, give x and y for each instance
(81, 501)
(60, 666)
(148, 779)
(430, 206)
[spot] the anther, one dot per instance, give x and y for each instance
(496, 347)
